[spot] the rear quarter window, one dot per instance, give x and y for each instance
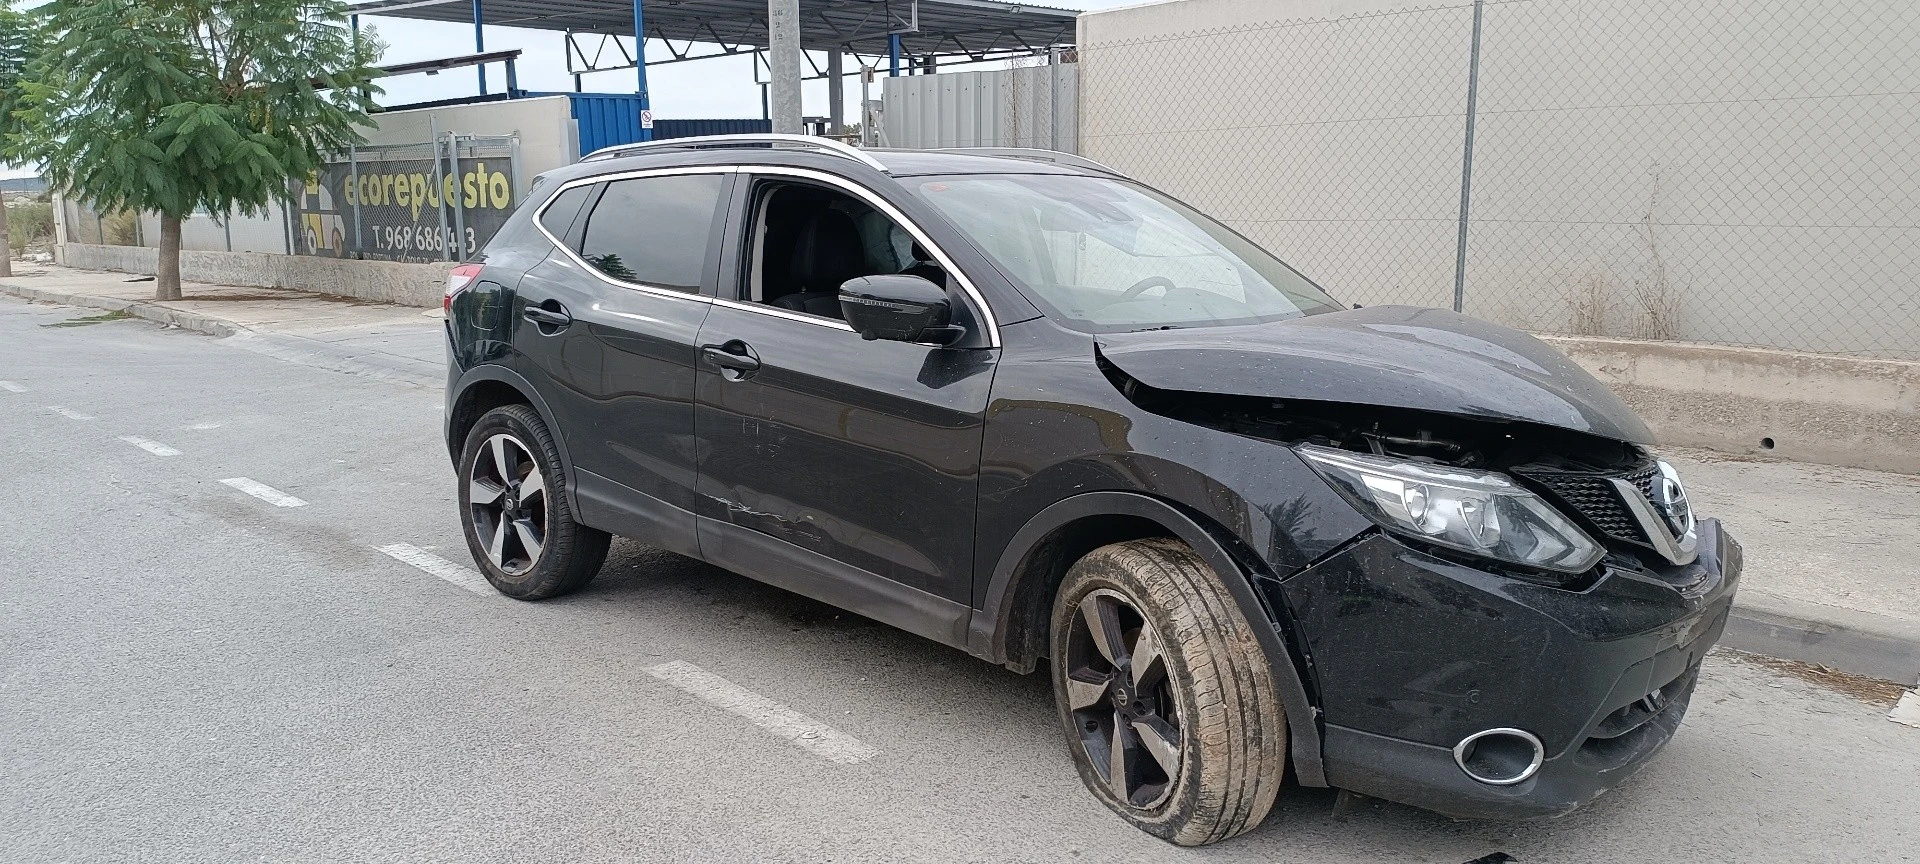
(558, 216)
(656, 231)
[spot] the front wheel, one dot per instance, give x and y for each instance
(514, 507)
(1168, 700)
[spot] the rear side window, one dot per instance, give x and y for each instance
(654, 231)
(558, 217)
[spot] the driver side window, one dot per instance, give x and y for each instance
(808, 239)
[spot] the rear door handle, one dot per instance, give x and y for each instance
(552, 317)
(735, 359)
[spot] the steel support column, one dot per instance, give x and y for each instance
(479, 47)
(353, 21)
(836, 94)
(893, 55)
(640, 68)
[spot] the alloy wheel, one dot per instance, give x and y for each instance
(1122, 700)
(507, 504)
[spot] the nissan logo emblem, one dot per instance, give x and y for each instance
(1670, 500)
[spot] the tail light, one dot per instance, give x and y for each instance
(459, 280)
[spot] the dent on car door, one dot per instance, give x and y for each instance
(863, 453)
(610, 318)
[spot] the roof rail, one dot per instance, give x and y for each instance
(823, 145)
(1031, 154)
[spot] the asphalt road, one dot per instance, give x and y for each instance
(192, 673)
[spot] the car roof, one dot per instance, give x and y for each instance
(839, 160)
(907, 163)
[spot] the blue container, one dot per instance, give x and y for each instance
(606, 119)
(692, 128)
(610, 119)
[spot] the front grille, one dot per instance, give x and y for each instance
(1595, 499)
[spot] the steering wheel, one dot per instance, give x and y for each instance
(1141, 287)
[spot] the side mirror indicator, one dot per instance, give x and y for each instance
(900, 309)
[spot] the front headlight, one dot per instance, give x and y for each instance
(1472, 511)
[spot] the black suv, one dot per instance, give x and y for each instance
(1019, 404)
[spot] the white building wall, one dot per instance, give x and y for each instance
(548, 137)
(1716, 170)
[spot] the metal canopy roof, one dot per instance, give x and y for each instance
(944, 27)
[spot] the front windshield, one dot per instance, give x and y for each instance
(1107, 255)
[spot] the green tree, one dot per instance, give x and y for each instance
(19, 42)
(167, 106)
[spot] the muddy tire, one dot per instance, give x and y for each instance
(1152, 660)
(513, 505)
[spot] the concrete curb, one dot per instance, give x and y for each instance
(1859, 643)
(150, 311)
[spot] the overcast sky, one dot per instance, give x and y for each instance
(721, 87)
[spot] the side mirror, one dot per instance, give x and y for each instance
(900, 309)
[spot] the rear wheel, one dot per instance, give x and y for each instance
(1168, 700)
(514, 508)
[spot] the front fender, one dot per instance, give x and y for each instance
(990, 624)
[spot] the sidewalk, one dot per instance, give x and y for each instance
(398, 342)
(1832, 554)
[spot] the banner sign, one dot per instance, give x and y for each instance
(399, 215)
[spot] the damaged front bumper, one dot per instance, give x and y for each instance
(1414, 654)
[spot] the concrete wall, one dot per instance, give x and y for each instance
(1780, 404)
(381, 281)
(1734, 171)
(1034, 106)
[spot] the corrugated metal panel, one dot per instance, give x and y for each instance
(609, 119)
(663, 129)
(1032, 107)
(606, 119)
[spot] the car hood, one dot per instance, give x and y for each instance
(1392, 356)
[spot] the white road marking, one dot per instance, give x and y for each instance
(1908, 711)
(796, 728)
(462, 576)
(204, 426)
(69, 413)
(11, 387)
(150, 445)
(264, 492)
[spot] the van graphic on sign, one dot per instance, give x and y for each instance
(322, 228)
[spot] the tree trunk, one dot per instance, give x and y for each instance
(166, 282)
(6, 243)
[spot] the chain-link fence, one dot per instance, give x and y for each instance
(200, 232)
(1730, 171)
(430, 201)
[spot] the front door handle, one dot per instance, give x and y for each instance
(549, 314)
(735, 359)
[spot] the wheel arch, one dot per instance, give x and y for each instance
(1030, 569)
(486, 387)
